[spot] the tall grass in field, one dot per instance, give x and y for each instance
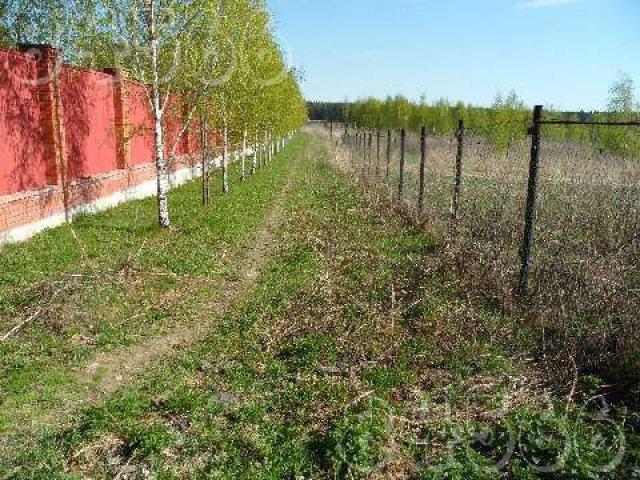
(582, 308)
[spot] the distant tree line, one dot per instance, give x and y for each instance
(327, 111)
(506, 121)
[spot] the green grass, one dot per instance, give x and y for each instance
(350, 359)
(131, 281)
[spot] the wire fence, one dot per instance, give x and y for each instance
(548, 226)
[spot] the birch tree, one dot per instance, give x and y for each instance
(218, 57)
(165, 45)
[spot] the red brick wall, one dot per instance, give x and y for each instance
(140, 124)
(72, 136)
(89, 122)
(29, 207)
(173, 123)
(22, 155)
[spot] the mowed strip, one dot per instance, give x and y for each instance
(113, 292)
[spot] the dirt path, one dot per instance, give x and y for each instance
(117, 368)
(109, 371)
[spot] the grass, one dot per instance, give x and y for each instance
(583, 298)
(351, 359)
(114, 279)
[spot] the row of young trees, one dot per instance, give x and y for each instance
(220, 57)
(506, 121)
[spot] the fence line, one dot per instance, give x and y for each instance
(359, 144)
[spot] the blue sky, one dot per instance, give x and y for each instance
(560, 52)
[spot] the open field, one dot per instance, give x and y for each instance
(350, 355)
(585, 279)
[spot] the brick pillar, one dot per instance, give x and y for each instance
(49, 65)
(123, 152)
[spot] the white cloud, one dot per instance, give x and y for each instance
(547, 3)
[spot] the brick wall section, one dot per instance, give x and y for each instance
(64, 194)
(139, 123)
(141, 173)
(123, 152)
(30, 206)
(89, 122)
(22, 157)
(125, 130)
(48, 67)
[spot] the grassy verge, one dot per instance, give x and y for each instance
(114, 279)
(350, 360)
(584, 281)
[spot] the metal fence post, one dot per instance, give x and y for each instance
(364, 147)
(370, 153)
(388, 153)
(455, 203)
(377, 153)
(423, 163)
(529, 219)
(363, 153)
(401, 181)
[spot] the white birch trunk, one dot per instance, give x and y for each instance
(161, 167)
(271, 147)
(225, 158)
(266, 148)
(243, 153)
(254, 162)
(205, 163)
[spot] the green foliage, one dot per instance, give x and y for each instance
(328, 111)
(358, 440)
(507, 120)
(502, 124)
(622, 106)
(258, 88)
(622, 98)
(48, 22)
